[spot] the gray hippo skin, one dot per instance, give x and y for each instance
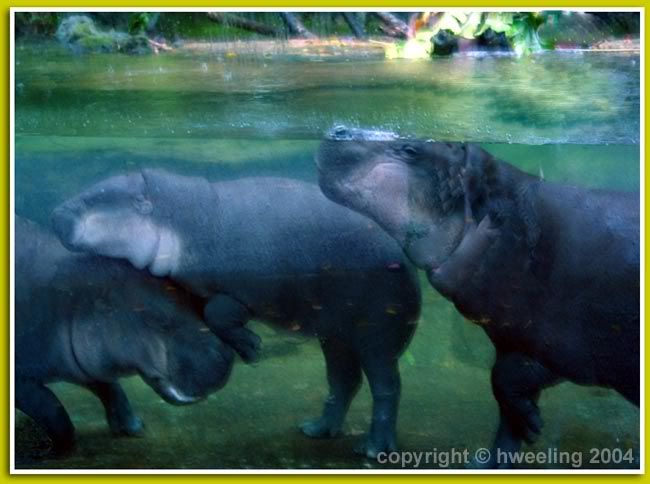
(275, 250)
(550, 271)
(90, 320)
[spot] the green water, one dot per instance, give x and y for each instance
(573, 117)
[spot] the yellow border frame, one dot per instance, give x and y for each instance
(4, 229)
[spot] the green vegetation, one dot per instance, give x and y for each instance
(197, 26)
(79, 33)
(519, 29)
(403, 35)
(138, 22)
(37, 23)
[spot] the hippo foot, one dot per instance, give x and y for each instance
(320, 428)
(372, 446)
(245, 342)
(131, 427)
(453, 275)
(59, 449)
(525, 420)
(477, 239)
(47, 450)
(533, 426)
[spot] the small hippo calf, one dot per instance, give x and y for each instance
(550, 271)
(272, 249)
(90, 320)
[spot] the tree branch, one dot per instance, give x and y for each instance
(244, 23)
(393, 26)
(295, 25)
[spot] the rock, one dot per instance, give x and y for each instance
(80, 34)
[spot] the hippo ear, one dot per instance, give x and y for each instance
(149, 177)
(154, 185)
(158, 182)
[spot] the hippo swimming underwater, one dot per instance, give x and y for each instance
(550, 271)
(272, 249)
(90, 320)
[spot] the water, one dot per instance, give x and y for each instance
(572, 116)
(553, 98)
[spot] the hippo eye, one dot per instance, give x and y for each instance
(142, 205)
(340, 133)
(409, 150)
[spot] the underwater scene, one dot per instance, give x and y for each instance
(286, 301)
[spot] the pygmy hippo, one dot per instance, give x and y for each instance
(550, 271)
(90, 320)
(275, 250)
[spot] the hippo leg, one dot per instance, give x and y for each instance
(455, 272)
(383, 377)
(43, 406)
(226, 318)
(517, 382)
(344, 378)
(119, 414)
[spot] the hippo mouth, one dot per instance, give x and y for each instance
(174, 395)
(171, 393)
(344, 133)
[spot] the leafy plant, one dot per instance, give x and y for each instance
(418, 47)
(80, 34)
(519, 28)
(138, 22)
(37, 23)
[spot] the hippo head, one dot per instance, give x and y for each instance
(414, 189)
(188, 364)
(152, 327)
(116, 218)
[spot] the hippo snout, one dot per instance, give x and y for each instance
(65, 223)
(344, 133)
(197, 364)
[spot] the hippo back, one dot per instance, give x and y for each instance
(284, 226)
(286, 251)
(282, 249)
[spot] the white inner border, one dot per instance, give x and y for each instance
(12, 468)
